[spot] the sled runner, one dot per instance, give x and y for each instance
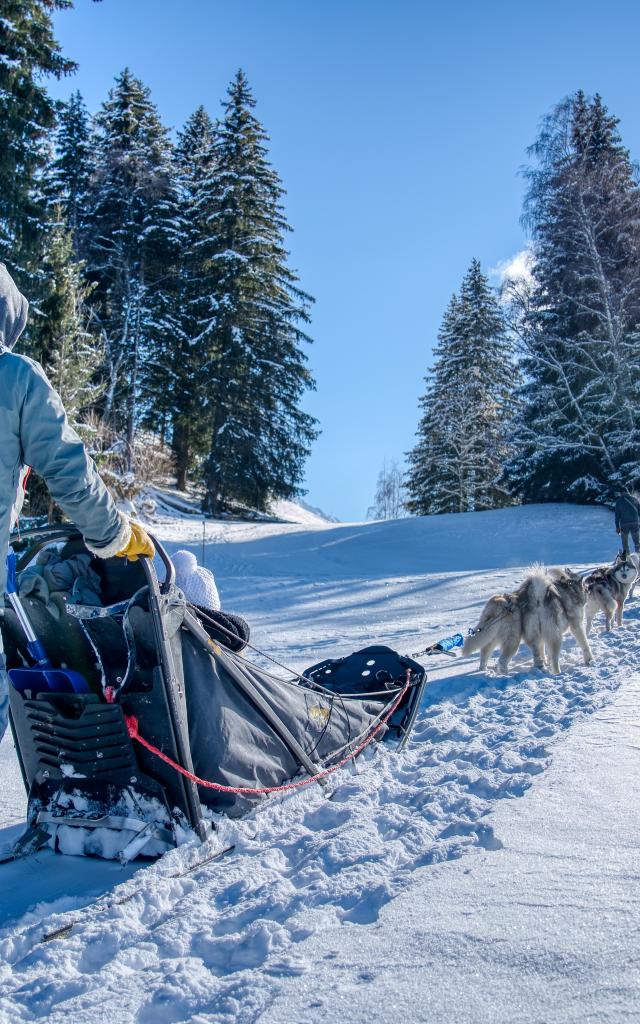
(173, 724)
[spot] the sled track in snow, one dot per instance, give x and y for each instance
(214, 941)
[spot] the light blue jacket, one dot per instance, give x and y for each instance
(34, 432)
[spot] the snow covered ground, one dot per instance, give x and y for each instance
(490, 873)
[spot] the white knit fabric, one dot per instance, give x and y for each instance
(196, 583)
(119, 542)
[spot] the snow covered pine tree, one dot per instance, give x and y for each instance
(578, 435)
(73, 354)
(64, 343)
(133, 238)
(256, 371)
(178, 375)
(462, 444)
(28, 51)
(67, 183)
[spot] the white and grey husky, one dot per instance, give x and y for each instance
(540, 611)
(609, 587)
(634, 558)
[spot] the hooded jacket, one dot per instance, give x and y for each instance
(627, 512)
(34, 431)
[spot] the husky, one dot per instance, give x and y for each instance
(634, 558)
(539, 612)
(609, 587)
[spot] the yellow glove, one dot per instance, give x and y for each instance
(140, 543)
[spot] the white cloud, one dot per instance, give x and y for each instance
(516, 268)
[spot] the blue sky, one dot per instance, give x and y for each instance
(398, 128)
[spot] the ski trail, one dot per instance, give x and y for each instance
(214, 943)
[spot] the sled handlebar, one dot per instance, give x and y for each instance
(170, 572)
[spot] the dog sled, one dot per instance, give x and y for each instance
(159, 726)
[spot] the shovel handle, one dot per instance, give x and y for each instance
(34, 646)
(12, 574)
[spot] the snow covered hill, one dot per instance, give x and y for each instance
(156, 504)
(487, 874)
(301, 512)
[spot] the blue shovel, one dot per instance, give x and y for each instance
(43, 677)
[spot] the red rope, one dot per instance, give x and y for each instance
(132, 728)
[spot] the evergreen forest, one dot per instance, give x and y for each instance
(162, 303)
(533, 393)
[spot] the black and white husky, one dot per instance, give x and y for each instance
(609, 587)
(547, 604)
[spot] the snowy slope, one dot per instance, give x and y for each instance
(466, 880)
(157, 503)
(300, 512)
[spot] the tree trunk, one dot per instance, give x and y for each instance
(181, 448)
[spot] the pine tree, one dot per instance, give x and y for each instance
(68, 180)
(579, 432)
(177, 376)
(60, 192)
(487, 364)
(64, 342)
(433, 482)
(28, 50)
(133, 242)
(252, 320)
(462, 444)
(75, 353)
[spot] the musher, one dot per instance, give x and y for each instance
(34, 431)
(627, 513)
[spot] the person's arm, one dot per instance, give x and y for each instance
(56, 452)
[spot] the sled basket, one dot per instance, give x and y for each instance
(210, 727)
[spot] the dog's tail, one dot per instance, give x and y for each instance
(537, 586)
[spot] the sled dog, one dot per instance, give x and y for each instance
(634, 558)
(609, 587)
(539, 612)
